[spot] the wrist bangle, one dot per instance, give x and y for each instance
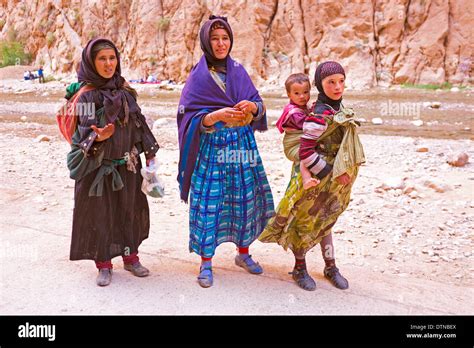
(256, 108)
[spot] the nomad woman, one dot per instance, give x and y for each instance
(220, 167)
(111, 215)
(304, 218)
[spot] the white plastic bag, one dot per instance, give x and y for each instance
(152, 185)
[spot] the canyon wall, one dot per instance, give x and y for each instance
(379, 42)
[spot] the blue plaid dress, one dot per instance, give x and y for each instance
(230, 198)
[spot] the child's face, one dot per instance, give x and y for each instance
(300, 93)
(333, 86)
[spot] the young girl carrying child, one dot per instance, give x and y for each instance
(305, 217)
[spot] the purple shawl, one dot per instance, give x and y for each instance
(201, 95)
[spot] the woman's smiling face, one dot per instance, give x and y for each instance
(105, 63)
(220, 43)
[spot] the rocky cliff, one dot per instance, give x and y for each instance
(379, 42)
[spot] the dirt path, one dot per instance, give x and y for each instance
(53, 285)
(402, 255)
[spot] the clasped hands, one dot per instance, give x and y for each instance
(238, 113)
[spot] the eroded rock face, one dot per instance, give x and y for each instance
(393, 41)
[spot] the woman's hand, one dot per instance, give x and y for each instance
(344, 179)
(224, 115)
(104, 133)
(148, 160)
(246, 107)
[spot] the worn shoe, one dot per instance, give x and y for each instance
(205, 277)
(245, 261)
(336, 278)
(303, 279)
(105, 277)
(137, 269)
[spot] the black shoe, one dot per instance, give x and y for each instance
(336, 278)
(105, 277)
(303, 279)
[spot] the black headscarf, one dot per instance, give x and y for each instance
(322, 71)
(205, 38)
(119, 100)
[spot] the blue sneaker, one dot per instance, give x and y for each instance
(205, 277)
(336, 278)
(245, 261)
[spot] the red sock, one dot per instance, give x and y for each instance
(300, 264)
(103, 264)
(130, 259)
(205, 259)
(243, 250)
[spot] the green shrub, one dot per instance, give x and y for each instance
(50, 38)
(445, 85)
(43, 25)
(92, 34)
(163, 24)
(13, 53)
(50, 78)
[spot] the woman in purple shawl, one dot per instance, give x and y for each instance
(111, 215)
(220, 167)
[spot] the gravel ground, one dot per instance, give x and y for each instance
(405, 243)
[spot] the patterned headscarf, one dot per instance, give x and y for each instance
(322, 71)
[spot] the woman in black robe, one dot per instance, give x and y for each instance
(111, 215)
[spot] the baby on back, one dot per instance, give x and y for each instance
(297, 117)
